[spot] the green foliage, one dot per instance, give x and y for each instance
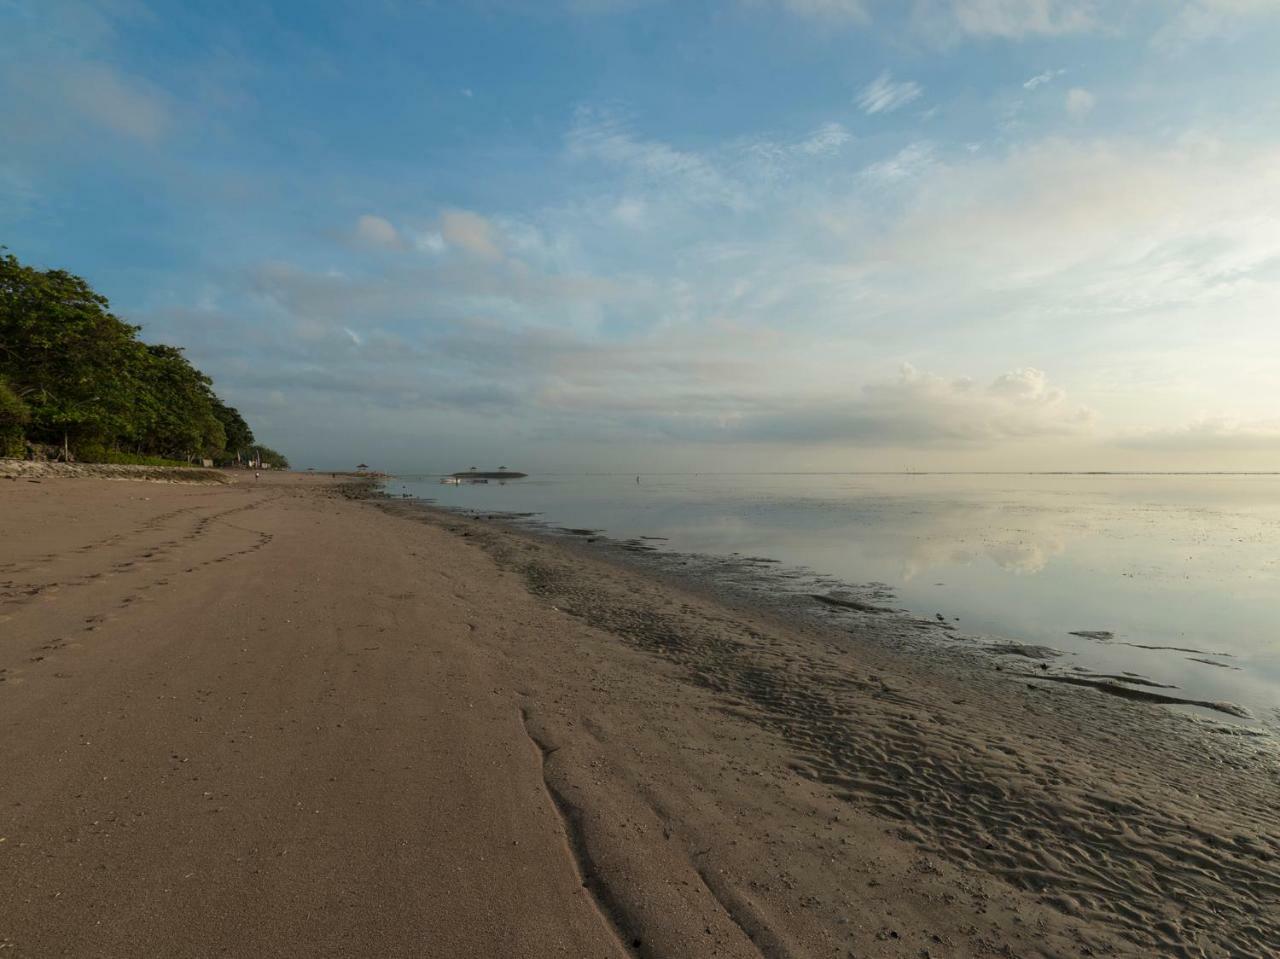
(72, 372)
(238, 435)
(179, 406)
(271, 458)
(14, 415)
(97, 454)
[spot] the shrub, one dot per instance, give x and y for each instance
(14, 415)
(88, 454)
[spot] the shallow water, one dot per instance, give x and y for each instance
(1168, 561)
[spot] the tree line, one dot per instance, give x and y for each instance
(75, 377)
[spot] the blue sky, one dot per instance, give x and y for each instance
(753, 234)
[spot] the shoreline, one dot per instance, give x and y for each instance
(801, 596)
(1091, 732)
(684, 775)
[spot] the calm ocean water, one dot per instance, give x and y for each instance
(1157, 561)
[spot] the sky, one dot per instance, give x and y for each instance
(639, 235)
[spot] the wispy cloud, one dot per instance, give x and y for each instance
(124, 105)
(1098, 230)
(773, 159)
(884, 94)
(602, 137)
(1040, 79)
(719, 255)
(1008, 19)
(826, 9)
(1108, 225)
(827, 139)
(908, 162)
(1079, 102)
(1200, 20)
(55, 100)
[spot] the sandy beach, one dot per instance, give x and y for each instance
(284, 718)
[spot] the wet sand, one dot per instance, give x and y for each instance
(271, 719)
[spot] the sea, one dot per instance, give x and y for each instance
(1173, 578)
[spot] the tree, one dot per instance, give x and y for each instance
(270, 457)
(65, 356)
(239, 435)
(181, 422)
(76, 375)
(14, 415)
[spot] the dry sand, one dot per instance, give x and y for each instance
(267, 719)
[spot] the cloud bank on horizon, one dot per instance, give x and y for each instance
(625, 234)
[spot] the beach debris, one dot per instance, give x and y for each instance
(1174, 649)
(848, 602)
(1030, 651)
(1129, 678)
(1105, 636)
(1141, 695)
(1210, 662)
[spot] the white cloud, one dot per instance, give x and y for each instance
(1209, 434)
(600, 136)
(1113, 224)
(757, 162)
(909, 162)
(827, 139)
(655, 181)
(472, 233)
(1201, 20)
(630, 211)
(765, 336)
(374, 231)
(950, 21)
(1079, 102)
(1015, 19)
(1040, 79)
(769, 327)
(884, 95)
(1010, 19)
(918, 409)
(429, 242)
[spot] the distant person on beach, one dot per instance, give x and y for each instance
(255, 474)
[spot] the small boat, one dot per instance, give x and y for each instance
(474, 475)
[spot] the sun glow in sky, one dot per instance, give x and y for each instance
(646, 235)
